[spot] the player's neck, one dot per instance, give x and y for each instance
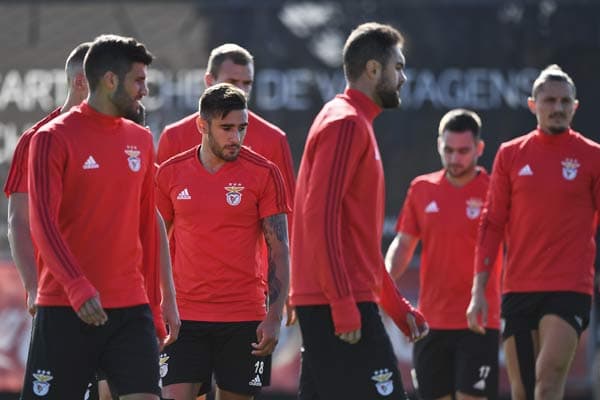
(209, 161)
(73, 99)
(460, 181)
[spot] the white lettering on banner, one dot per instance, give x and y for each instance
(174, 89)
(34, 88)
(8, 140)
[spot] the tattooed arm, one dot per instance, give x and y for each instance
(276, 236)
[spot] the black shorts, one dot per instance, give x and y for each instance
(334, 369)
(65, 353)
(447, 361)
(523, 311)
(222, 348)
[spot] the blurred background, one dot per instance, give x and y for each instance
(478, 54)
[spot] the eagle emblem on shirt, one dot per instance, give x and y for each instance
(41, 385)
(133, 158)
(474, 206)
(234, 194)
(569, 169)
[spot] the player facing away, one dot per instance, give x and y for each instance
(542, 203)
(94, 222)
(220, 199)
(442, 210)
(338, 271)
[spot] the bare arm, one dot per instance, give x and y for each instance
(477, 311)
(400, 253)
(21, 245)
(167, 286)
(276, 235)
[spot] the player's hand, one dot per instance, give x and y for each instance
(290, 312)
(477, 312)
(418, 329)
(92, 313)
(351, 337)
(171, 317)
(31, 297)
(267, 334)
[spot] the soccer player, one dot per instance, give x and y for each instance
(442, 210)
(338, 271)
(15, 188)
(220, 199)
(542, 202)
(93, 220)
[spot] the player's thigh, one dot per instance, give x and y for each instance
(237, 370)
(130, 357)
(190, 358)
(365, 370)
(476, 372)
(433, 360)
(62, 355)
(558, 343)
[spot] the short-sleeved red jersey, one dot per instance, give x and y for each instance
(92, 208)
(16, 181)
(216, 220)
(543, 200)
(445, 218)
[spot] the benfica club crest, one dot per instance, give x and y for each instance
(133, 158)
(41, 385)
(383, 382)
(474, 206)
(234, 194)
(569, 170)
(163, 365)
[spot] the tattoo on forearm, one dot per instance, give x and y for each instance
(275, 229)
(274, 283)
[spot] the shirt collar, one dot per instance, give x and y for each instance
(365, 104)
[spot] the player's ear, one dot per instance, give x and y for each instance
(201, 124)
(531, 105)
(480, 147)
(209, 80)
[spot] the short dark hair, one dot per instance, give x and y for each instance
(552, 73)
(220, 99)
(460, 120)
(228, 51)
(369, 41)
(75, 59)
(113, 53)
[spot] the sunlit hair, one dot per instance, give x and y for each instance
(552, 73)
(74, 63)
(369, 41)
(113, 53)
(461, 120)
(219, 100)
(228, 51)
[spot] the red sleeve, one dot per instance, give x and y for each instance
(341, 146)
(396, 306)
(283, 160)
(16, 181)
(494, 216)
(151, 247)
(163, 200)
(274, 198)
(48, 157)
(407, 220)
(165, 150)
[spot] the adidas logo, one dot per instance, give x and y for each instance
(184, 195)
(579, 320)
(90, 163)
(479, 385)
(525, 171)
(432, 207)
(255, 382)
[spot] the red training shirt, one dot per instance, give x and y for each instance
(217, 224)
(543, 198)
(93, 212)
(445, 218)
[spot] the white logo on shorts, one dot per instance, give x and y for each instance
(256, 381)
(579, 320)
(163, 365)
(383, 381)
(484, 372)
(41, 387)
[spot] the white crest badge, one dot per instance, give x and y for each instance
(474, 206)
(569, 170)
(234, 194)
(383, 381)
(41, 385)
(133, 158)
(163, 365)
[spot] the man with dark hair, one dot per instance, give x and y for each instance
(219, 198)
(98, 287)
(442, 209)
(19, 235)
(543, 203)
(338, 272)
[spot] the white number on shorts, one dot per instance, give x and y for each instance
(259, 367)
(484, 371)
